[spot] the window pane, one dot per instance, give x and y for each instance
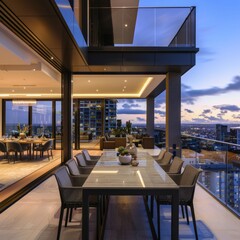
(42, 119)
(15, 115)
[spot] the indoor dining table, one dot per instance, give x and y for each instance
(109, 177)
(28, 140)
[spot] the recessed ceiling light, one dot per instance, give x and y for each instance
(123, 90)
(89, 81)
(105, 69)
(13, 90)
(125, 25)
(52, 58)
(34, 69)
(124, 87)
(51, 90)
(96, 90)
(125, 80)
(24, 87)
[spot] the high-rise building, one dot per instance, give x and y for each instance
(221, 132)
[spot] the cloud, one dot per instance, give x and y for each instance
(225, 108)
(236, 116)
(188, 110)
(129, 106)
(189, 96)
(131, 111)
(141, 119)
(206, 111)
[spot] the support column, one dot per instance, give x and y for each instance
(66, 116)
(150, 116)
(173, 112)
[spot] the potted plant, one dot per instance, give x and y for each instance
(124, 156)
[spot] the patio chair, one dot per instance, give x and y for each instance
(160, 155)
(16, 148)
(74, 169)
(174, 167)
(90, 160)
(71, 195)
(84, 168)
(186, 182)
(166, 159)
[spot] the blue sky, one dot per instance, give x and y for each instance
(210, 90)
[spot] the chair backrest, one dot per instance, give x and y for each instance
(166, 158)
(63, 178)
(86, 155)
(188, 179)
(161, 155)
(176, 165)
(73, 167)
(14, 147)
(190, 175)
(80, 160)
(47, 145)
(3, 147)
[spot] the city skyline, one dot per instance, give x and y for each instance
(210, 90)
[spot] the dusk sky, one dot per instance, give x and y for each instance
(210, 90)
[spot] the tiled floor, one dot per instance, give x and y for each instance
(35, 216)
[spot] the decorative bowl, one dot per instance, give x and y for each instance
(126, 159)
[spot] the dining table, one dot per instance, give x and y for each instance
(31, 141)
(109, 177)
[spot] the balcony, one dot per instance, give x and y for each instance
(142, 27)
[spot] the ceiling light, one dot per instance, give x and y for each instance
(13, 90)
(105, 69)
(52, 58)
(96, 90)
(125, 25)
(24, 88)
(24, 102)
(89, 81)
(125, 80)
(124, 87)
(51, 90)
(123, 90)
(34, 69)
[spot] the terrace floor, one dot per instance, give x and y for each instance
(36, 215)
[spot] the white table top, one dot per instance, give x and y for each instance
(109, 173)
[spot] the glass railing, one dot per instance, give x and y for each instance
(220, 162)
(142, 27)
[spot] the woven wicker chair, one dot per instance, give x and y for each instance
(186, 182)
(84, 168)
(71, 194)
(74, 169)
(90, 160)
(174, 167)
(166, 159)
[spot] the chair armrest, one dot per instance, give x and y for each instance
(91, 162)
(165, 167)
(175, 177)
(95, 158)
(85, 170)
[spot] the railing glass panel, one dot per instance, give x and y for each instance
(142, 27)
(220, 162)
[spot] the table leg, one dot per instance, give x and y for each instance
(175, 215)
(85, 216)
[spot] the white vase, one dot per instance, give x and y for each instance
(126, 159)
(22, 135)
